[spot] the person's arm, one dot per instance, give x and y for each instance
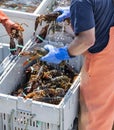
(82, 42)
(78, 46)
(83, 25)
(7, 23)
(3, 17)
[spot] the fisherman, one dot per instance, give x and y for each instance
(92, 22)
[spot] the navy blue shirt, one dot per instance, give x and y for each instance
(86, 14)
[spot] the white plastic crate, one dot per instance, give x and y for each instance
(4, 51)
(19, 114)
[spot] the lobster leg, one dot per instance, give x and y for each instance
(37, 21)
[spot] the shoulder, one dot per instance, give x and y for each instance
(82, 1)
(79, 3)
(82, 17)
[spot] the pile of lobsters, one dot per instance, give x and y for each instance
(45, 82)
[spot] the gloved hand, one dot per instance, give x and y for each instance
(55, 55)
(65, 13)
(9, 25)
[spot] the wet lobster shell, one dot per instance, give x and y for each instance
(48, 83)
(16, 35)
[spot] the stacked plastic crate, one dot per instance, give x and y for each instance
(17, 113)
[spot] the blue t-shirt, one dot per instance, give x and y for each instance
(86, 14)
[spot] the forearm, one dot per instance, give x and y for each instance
(77, 47)
(82, 43)
(3, 17)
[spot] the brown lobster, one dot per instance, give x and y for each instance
(33, 55)
(16, 35)
(48, 19)
(46, 83)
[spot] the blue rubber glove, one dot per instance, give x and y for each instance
(65, 13)
(55, 55)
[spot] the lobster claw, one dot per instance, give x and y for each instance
(42, 35)
(20, 43)
(33, 55)
(12, 46)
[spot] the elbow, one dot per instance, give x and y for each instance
(91, 42)
(88, 37)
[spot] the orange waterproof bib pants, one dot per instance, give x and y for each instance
(97, 89)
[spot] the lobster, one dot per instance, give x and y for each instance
(16, 35)
(33, 55)
(50, 20)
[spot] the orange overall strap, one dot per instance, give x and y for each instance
(97, 89)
